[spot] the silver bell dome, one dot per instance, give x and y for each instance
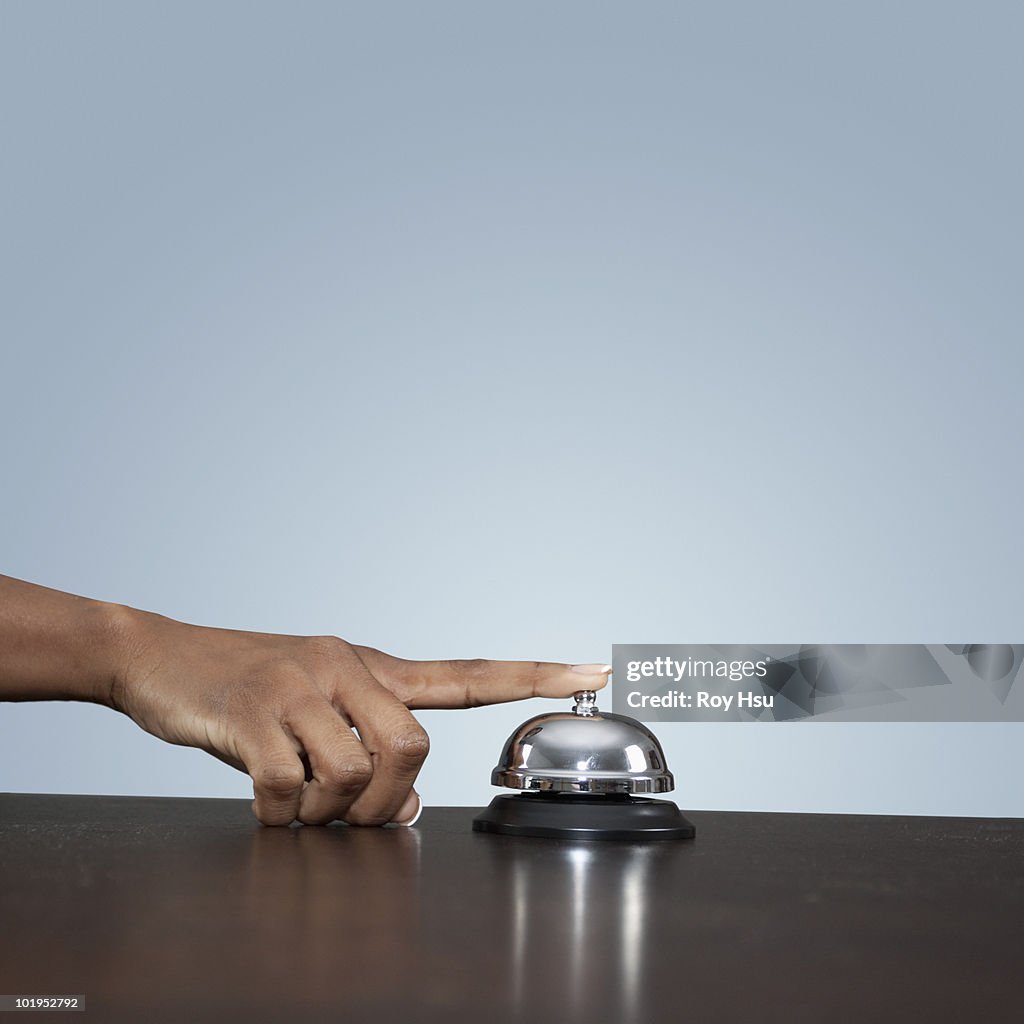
(583, 751)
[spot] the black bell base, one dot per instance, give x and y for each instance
(584, 816)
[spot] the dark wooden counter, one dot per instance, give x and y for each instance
(181, 910)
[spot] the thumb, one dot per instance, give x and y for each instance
(421, 685)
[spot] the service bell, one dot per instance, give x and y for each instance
(579, 774)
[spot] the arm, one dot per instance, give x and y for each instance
(56, 646)
(322, 726)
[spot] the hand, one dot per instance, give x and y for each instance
(323, 727)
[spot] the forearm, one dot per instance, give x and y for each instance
(55, 646)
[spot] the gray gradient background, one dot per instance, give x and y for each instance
(515, 331)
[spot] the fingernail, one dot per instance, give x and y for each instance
(411, 810)
(592, 670)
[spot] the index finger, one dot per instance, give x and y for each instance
(423, 685)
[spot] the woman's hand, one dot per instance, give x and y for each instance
(323, 727)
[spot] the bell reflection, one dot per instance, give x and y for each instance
(590, 903)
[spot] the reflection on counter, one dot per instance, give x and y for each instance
(518, 929)
(570, 899)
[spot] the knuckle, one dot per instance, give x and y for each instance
(328, 648)
(409, 744)
(348, 774)
(471, 673)
(278, 778)
(536, 676)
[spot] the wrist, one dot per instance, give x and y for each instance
(123, 642)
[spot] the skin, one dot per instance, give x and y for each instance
(323, 727)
